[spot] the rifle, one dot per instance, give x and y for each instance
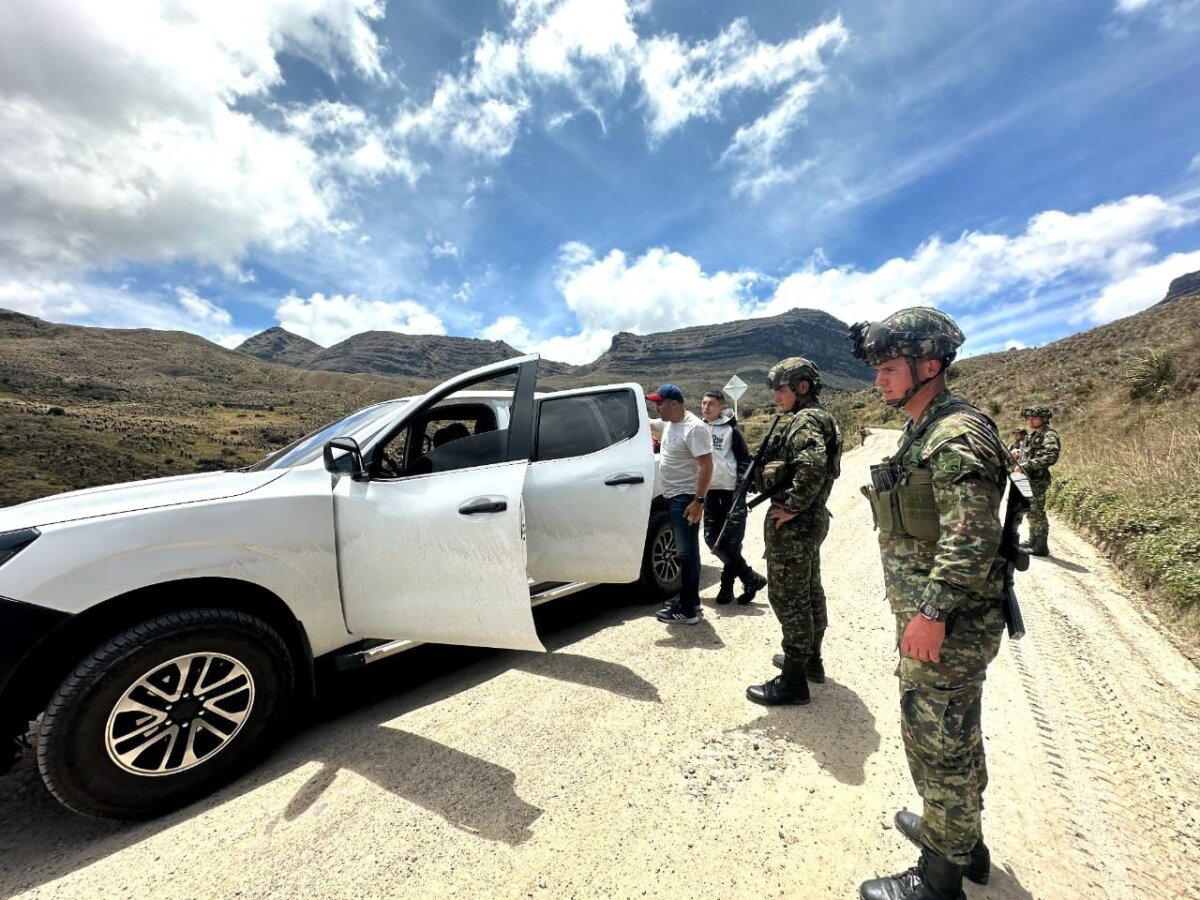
(744, 485)
(1015, 559)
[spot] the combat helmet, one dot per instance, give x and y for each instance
(794, 368)
(919, 332)
(1042, 412)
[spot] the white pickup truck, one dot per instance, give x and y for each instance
(162, 629)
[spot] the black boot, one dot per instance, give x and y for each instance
(725, 594)
(752, 583)
(932, 878)
(814, 670)
(1039, 546)
(979, 869)
(789, 687)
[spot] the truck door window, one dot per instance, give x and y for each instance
(584, 423)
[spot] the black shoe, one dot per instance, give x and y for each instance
(979, 869)
(932, 878)
(814, 670)
(788, 688)
(752, 583)
(725, 594)
(1039, 546)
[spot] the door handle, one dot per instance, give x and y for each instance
(483, 505)
(617, 480)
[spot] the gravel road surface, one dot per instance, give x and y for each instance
(628, 763)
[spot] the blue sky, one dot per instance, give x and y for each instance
(551, 172)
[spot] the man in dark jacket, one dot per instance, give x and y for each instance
(731, 456)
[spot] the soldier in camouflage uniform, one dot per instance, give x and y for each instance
(936, 503)
(1041, 452)
(798, 470)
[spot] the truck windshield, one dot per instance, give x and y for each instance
(361, 426)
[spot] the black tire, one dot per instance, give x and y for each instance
(101, 761)
(661, 575)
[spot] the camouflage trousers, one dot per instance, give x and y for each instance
(793, 555)
(1039, 525)
(941, 708)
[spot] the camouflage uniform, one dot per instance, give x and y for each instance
(960, 573)
(936, 504)
(807, 452)
(1042, 448)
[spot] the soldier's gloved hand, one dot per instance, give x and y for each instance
(923, 639)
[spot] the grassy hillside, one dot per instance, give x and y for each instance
(81, 407)
(1126, 398)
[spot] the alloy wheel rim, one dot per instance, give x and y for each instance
(179, 714)
(666, 566)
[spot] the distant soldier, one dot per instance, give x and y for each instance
(936, 503)
(1041, 452)
(798, 470)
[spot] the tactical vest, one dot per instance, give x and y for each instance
(777, 473)
(901, 489)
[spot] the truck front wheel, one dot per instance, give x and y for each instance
(165, 712)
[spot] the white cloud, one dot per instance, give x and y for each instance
(1014, 344)
(1167, 14)
(328, 320)
(97, 305)
(509, 329)
(1098, 245)
(127, 135)
(1195, 164)
(202, 310)
(996, 284)
(592, 49)
(1140, 288)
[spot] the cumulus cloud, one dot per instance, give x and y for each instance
(108, 307)
(127, 134)
(330, 319)
(1014, 344)
(592, 49)
(1144, 286)
(997, 284)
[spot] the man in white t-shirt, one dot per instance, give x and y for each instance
(685, 466)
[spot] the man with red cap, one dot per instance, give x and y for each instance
(685, 467)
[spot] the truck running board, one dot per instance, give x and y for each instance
(367, 652)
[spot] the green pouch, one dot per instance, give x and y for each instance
(918, 512)
(882, 508)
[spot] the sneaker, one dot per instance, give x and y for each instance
(676, 615)
(752, 584)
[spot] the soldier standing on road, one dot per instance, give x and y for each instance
(798, 470)
(936, 503)
(1041, 452)
(731, 457)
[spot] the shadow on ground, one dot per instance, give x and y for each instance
(41, 841)
(837, 729)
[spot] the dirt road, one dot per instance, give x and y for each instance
(627, 763)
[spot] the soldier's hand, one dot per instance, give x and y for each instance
(923, 639)
(780, 515)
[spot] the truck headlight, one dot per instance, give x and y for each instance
(13, 542)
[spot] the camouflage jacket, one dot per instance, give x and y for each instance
(969, 470)
(806, 451)
(1041, 451)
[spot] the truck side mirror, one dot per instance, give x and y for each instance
(348, 462)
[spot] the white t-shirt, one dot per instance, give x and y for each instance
(681, 443)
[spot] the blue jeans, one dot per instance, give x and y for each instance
(687, 550)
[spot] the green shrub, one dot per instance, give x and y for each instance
(1150, 377)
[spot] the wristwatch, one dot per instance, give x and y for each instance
(931, 612)
(699, 500)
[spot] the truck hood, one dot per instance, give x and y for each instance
(132, 496)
